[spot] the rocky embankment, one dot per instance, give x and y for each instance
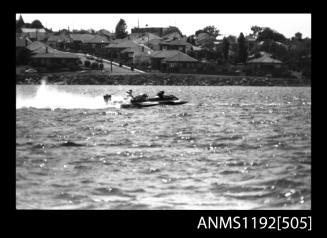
(104, 78)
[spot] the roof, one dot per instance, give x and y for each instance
(29, 30)
(164, 53)
(57, 38)
(98, 39)
(38, 46)
(142, 37)
(56, 55)
(173, 56)
(203, 36)
(81, 37)
(106, 33)
(265, 58)
(172, 35)
(155, 41)
(138, 50)
(181, 57)
(123, 44)
(38, 35)
(174, 42)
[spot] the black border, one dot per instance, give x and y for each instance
(118, 222)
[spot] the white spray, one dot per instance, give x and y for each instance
(50, 97)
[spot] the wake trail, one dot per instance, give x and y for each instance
(48, 97)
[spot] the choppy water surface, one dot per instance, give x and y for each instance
(228, 148)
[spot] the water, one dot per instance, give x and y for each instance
(228, 148)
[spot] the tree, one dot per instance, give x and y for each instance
(36, 24)
(211, 30)
(121, 29)
(298, 36)
(269, 34)
(20, 23)
(191, 39)
(242, 49)
(256, 30)
(225, 48)
(171, 29)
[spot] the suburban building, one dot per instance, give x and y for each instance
(106, 33)
(154, 44)
(203, 37)
(55, 60)
(264, 64)
(172, 36)
(142, 38)
(40, 47)
(34, 34)
(47, 57)
(58, 41)
(96, 45)
(128, 52)
(154, 30)
(77, 42)
(180, 45)
(173, 61)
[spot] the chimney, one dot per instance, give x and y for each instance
(46, 50)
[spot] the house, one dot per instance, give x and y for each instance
(180, 45)
(40, 47)
(173, 61)
(34, 34)
(54, 59)
(264, 64)
(154, 44)
(96, 45)
(58, 41)
(137, 56)
(106, 33)
(154, 30)
(203, 37)
(31, 30)
(128, 52)
(77, 41)
(142, 38)
(172, 36)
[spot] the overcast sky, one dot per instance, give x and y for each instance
(228, 24)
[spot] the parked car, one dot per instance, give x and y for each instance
(30, 71)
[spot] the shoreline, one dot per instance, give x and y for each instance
(105, 78)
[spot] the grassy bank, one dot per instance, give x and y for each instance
(103, 78)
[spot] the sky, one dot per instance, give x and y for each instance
(227, 24)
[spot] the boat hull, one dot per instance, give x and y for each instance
(151, 104)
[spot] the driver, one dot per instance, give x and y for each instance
(129, 95)
(161, 94)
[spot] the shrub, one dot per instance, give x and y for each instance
(87, 63)
(94, 65)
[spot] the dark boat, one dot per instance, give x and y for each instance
(143, 101)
